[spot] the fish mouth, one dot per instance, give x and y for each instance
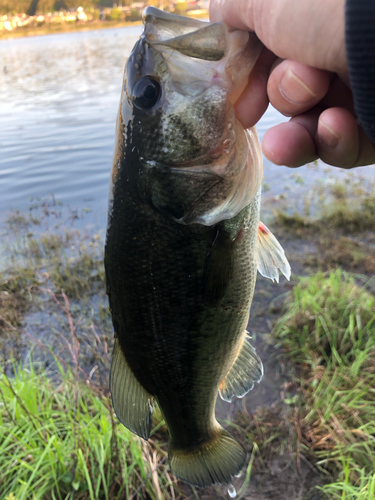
(182, 50)
(193, 38)
(199, 54)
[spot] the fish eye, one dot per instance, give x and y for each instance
(146, 92)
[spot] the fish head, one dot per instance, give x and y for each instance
(181, 82)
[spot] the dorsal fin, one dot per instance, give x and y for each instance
(271, 255)
(131, 402)
(246, 369)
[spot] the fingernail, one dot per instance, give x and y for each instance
(327, 136)
(294, 90)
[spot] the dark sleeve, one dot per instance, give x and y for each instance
(360, 50)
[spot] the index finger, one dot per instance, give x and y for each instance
(231, 14)
(305, 31)
(254, 101)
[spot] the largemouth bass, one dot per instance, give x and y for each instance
(184, 240)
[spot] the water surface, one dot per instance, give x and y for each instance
(59, 99)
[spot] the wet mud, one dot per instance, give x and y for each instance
(281, 474)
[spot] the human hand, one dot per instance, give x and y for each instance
(302, 72)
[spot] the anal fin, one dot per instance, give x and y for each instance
(271, 255)
(131, 402)
(246, 369)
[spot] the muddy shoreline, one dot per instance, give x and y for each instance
(54, 279)
(55, 29)
(65, 28)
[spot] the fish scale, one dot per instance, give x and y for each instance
(183, 242)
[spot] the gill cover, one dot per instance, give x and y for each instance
(194, 161)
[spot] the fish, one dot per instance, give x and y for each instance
(184, 241)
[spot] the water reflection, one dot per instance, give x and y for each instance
(59, 99)
(45, 70)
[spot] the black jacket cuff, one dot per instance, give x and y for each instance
(360, 50)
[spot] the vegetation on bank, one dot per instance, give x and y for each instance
(328, 331)
(44, 17)
(48, 29)
(347, 205)
(340, 221)
(326, 415)
(32, 7)
(45, 257)
(59, 437)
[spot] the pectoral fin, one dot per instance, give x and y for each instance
(131, 402)
(247, 369)
(219, 268)
(271, 256)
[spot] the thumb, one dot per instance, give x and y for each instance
(308, 31)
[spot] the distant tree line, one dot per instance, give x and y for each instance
(32, 7)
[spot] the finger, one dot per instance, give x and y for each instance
(236, 14)
(301, 140)
(292, 143)
(253, 102)
(339, 95)
(337, 138)
(306, 31)
(293, 88)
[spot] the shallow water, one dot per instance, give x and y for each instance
(60, 95)
(59, 99)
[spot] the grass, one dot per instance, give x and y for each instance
(347, 205)
(364, 490)
(352, 207)
(328, 331)
(49, 29)
(62, 441)
(59, 438)
(64, 259)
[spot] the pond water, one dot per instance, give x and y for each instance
(59, 100)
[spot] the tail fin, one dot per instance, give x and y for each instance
(214, 461)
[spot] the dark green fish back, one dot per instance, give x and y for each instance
(180, 279)
(179, 298)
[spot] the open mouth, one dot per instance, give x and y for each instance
(190, 37)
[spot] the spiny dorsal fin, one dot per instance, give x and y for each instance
(271, 256)
(246, 369)
(131, 402)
